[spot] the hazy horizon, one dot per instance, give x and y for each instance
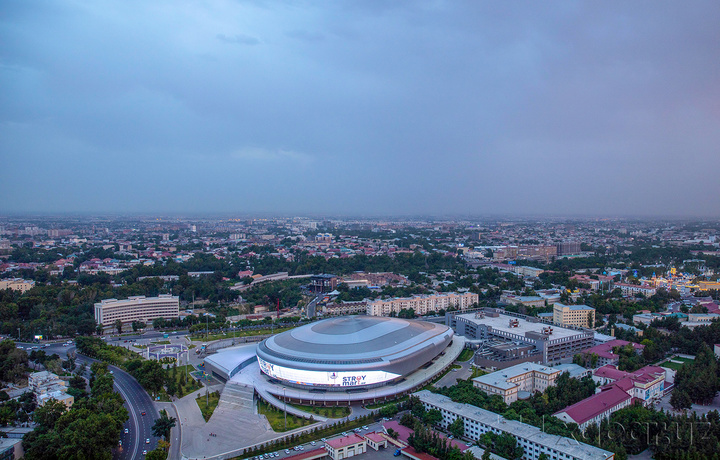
(587, 109)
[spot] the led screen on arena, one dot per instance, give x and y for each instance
(342, 379)
(351, 352)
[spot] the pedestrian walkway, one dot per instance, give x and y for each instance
(231, 426)
(238, 397)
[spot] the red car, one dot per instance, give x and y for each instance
(142, 413)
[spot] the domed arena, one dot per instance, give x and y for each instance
(352, 352)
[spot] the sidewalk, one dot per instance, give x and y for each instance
(175, 433)
(233, 429)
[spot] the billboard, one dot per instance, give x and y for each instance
(325, 378)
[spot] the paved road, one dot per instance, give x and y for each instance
(137, 402)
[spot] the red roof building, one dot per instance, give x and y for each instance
(347, 446)
(645, 384)
(415, 455)
(596, 408)
(605, 354)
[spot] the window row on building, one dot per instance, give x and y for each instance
(137, 308)
(533, 440)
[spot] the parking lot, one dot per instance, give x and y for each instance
(371, 454)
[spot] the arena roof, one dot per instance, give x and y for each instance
(356, 338)
(227, 360)
(357, 342)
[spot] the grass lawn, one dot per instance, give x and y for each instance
(229, 335)
(331, 412)
(385, 403)
(184, 382)
(208, 408)
(477, 372)
(675, 366)
(465, 355)
(162, 342)
(684, 360)
(276, 418)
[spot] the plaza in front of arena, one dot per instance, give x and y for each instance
(236, 423)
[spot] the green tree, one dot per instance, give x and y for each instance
(389, 411)
(457, 427)
(12, 361)
(680, 400)
(157, 454)
(432, 417)
(118, 326)
(163, 425)
(49, 413)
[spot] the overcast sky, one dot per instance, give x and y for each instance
(360, 107)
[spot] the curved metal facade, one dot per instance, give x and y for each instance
(352, 352)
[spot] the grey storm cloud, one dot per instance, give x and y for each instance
(404, 107)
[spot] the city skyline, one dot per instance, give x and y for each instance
(371, 109)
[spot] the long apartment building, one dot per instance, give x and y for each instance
(533, 440)
(632, 289)
(345, 308)
(136, 308)
(423, 304)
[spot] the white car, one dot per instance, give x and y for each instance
(144, 452)
(147, 441)
(127, 431)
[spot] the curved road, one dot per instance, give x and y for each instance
(139, 426)
(137, 402)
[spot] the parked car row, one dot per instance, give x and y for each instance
(302, 447)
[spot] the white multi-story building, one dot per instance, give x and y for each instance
(632, 289)
(136, 308)
(422, 304)
(507, 383)
(47, 386)
(533, 440)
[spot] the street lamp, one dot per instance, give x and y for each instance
(285, 407)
